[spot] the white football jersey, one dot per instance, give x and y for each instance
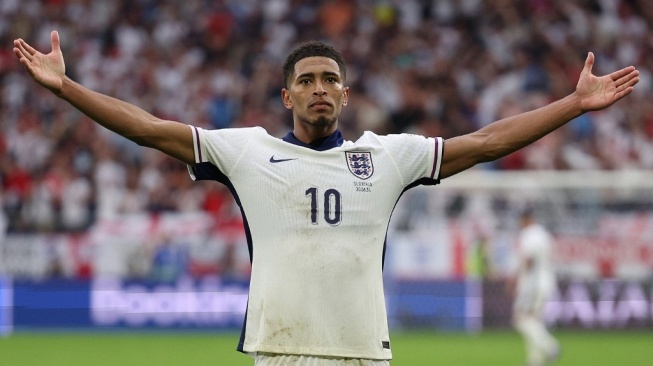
(536, 243)
(316, 219)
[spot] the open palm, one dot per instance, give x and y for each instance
(600, 92)
(48, 70)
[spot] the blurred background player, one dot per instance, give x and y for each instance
(534, 284)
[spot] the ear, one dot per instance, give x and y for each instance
(285, 96)
(345, 96)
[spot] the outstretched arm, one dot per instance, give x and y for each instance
(172, 138)
(508, 135)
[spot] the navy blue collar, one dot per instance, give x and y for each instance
(322, 144)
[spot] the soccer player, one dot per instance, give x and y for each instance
(535, 283)
(316, 207)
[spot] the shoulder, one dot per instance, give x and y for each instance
(239, 133)
(369, 136)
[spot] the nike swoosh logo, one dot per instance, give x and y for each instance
(273, 160)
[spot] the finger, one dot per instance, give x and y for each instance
(627, 81)
(627, 86)
(27, 47)
(631, 80)
(18, 53)
(625, 72)
(21, 51)
(28, 65)
(632, 75)
(623, 93)
(589, 63)
(54, 39)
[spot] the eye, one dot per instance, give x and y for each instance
(331, 79)
(305, 81)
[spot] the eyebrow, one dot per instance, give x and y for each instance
(311, 74)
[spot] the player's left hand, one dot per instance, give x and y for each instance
(597, 92)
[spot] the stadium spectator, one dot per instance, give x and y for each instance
(464, 64)
(468, 63)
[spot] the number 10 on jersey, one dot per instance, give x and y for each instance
(332, 205)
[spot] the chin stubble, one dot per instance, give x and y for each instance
(322, 122)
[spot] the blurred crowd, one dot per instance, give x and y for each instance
(431, 67)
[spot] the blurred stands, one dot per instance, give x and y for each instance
(440, 67)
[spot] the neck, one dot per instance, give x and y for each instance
(308, 133)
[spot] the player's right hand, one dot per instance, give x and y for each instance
(48, 70)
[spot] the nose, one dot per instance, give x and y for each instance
(319, 90)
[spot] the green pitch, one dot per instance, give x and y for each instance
(504, 348)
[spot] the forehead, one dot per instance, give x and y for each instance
(316, 65)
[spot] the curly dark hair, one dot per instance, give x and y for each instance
(311, 49)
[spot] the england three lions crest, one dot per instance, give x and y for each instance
(360, 164)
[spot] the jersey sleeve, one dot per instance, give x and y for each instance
(218, 151)
(417, 158)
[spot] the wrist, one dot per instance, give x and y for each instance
(575, 103)
(64, 86)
